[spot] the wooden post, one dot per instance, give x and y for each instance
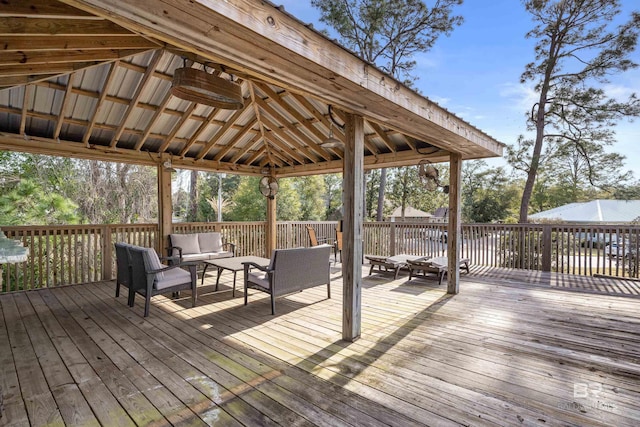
(107, 258)
(165, 208)
(454, 229)
(271, 226)
(392, 239)
(353, 175)
(546, 249)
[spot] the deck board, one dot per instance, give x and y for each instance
(508, 350)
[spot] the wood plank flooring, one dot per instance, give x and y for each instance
(510, 349)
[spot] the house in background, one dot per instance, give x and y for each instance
(595, 211)
(412, 214)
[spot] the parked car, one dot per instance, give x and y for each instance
(617, 249)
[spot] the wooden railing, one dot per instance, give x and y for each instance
(60, 255)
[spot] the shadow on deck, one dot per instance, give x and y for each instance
(510, 349)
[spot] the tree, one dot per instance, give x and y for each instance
(488, 195)
(311, 190)
(29, 203)
(388, 33)
(407, 190)
(576, 51)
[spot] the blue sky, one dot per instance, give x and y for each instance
(475, 72)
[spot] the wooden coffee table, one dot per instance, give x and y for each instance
(233, 264)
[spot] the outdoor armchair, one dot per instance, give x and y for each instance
(149, 277)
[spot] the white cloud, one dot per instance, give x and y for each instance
(522, 97)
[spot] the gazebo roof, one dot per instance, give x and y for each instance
(92, 79)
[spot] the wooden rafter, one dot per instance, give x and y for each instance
(136, 96)
(244, 150)
(78, 43)
(259, 119)
(225, 128)
(63, 107)
(156, 115)
(238, 136)
(302, 121)
(100, 103)
(194, 137)
(176, 127)
(383, 135)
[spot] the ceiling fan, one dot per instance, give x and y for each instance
(430, 177)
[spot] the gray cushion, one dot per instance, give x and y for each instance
(188, 242)
(173, 277)
(210, 242)
(259, 279)
(222, 254)
(152, 262)
(195, 257)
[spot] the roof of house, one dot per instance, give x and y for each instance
(593, 211)
(410, 212)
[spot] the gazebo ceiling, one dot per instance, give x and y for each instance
(92, 79)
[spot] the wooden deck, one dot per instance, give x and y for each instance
(508, 350)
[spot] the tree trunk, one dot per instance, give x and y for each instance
(383, 183)
(540, 121)
(193, 197)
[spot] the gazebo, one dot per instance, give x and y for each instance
(96, 79)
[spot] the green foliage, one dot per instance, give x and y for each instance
(248, 203)
(487, 193)
(29, 203)
(311, 191)
(577, 49)
(407, 190)
(333, 196)
(389, 32)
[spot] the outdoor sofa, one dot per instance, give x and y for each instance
(290, 270)
(199, 246)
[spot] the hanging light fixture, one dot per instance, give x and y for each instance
(332, 141)
(192, 84)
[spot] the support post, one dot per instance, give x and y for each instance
(547, 250)
(271, 226)
(353, 175)
(454, 229)
(165, 208)
(107, 258)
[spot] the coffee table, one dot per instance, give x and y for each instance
(233, 264)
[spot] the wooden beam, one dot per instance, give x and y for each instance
(238, 136)
(63, 108)
(57, 27)
(100, 103)
(41, 9)
(23, 58)
(156, 115)
(454, 229)
(225, 128)
(302, 121)
(248, 147)
(136, 96)
(186, 114)
(382, 134)
(48, 146)
(165, 210)
(353, 202)
(28, 93)
(194, 137)
(400, 158)
(82, 42)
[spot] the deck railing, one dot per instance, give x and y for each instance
(61, 255)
